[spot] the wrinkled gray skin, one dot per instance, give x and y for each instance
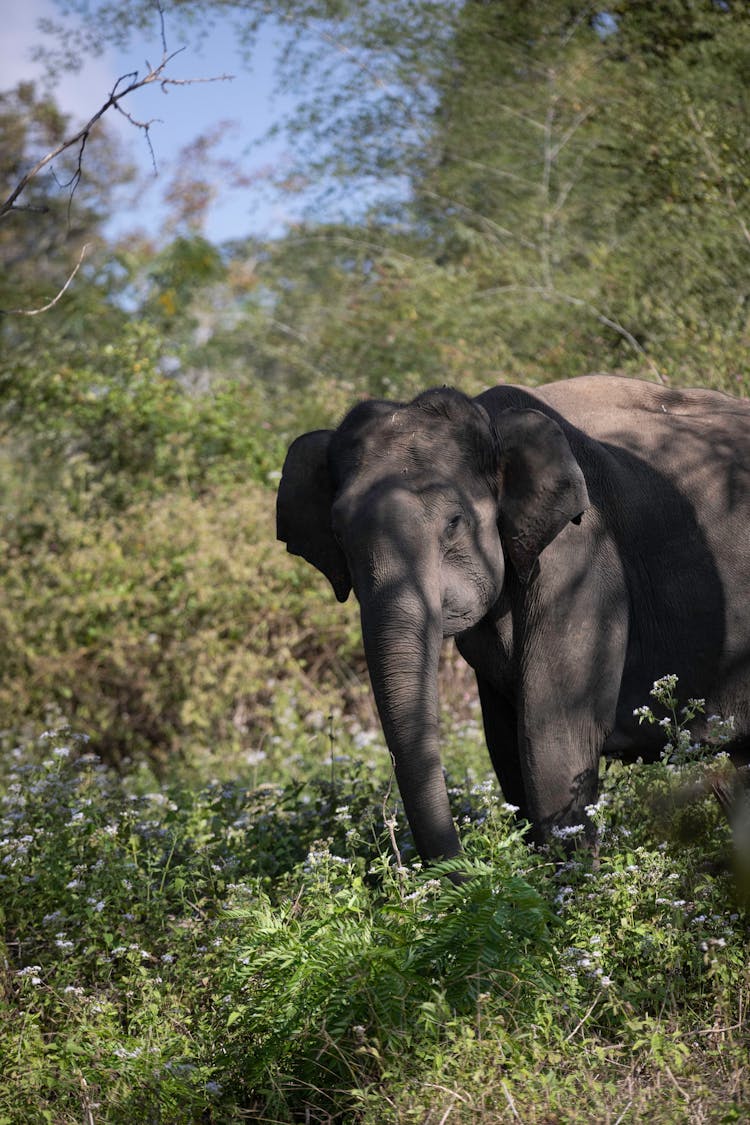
(579, 541)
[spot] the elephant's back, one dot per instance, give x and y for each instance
(602, 405)
(664, 425)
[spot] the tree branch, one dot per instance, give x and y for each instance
(53, 302)
(156, 74)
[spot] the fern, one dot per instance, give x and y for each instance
(355, 970)
(481, 928)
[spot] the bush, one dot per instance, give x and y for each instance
(180, 621)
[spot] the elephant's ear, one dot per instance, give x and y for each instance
(303, 509)
(542, 487)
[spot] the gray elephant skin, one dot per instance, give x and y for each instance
(579, 541)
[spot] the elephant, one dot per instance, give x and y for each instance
(579, 540)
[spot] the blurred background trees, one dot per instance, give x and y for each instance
(521, 191)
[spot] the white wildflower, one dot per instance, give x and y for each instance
(567, 831)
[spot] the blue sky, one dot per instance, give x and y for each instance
(248, 104)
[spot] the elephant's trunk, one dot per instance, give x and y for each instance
(402, 636)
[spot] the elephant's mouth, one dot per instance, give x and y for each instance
(457, 621)
(464, 606)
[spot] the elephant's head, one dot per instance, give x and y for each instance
(421, 508)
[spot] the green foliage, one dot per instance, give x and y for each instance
(143, 591)
(176, 622)
(186, 264)
(261, 949)
(576, 201)
(351, 966)
(104, 430)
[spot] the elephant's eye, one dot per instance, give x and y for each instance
(452, 525)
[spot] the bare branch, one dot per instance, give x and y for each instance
(162, 27)
(50, 304)
(572, 129)
(124, 86)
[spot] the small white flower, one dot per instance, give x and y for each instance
(364, 739)
(123, 1053)
(565, 832)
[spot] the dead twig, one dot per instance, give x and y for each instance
(53, 302)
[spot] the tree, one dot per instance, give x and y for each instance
(571, 175)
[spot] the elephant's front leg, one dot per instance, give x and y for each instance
(570, 674)
(560, 767)
(567, 706)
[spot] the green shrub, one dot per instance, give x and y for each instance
(178, 622)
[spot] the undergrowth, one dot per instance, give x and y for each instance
(269, 950)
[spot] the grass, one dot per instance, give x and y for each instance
(267, 949)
